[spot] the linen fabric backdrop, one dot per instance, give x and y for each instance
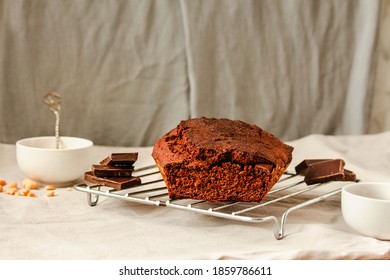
(129, 71)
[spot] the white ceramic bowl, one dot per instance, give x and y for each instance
(38, 158)
(366, 208)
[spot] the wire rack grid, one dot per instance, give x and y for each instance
(152, 191)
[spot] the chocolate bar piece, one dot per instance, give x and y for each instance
(111, 171)
(117, 183)
(348, 176)
(301, 168)
(120, 159)
(325, 171)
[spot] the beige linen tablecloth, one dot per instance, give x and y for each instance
(66, 227)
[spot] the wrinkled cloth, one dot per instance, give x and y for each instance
(129, 71)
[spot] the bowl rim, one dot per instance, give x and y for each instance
(345, 190)
(88, 143)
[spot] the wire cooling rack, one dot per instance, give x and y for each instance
(289, 194)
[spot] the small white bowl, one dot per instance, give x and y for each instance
(366, 208)
(39, 159)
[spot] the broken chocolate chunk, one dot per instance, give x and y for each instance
(348, 176)
(301, 168)
(111, 171)
(325, 171)
(120, 159)
(118, 183)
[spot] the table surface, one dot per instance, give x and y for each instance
(66, 227)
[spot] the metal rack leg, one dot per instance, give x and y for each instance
(300, 205)
(93, 198)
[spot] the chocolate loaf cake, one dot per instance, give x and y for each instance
(220, 160)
